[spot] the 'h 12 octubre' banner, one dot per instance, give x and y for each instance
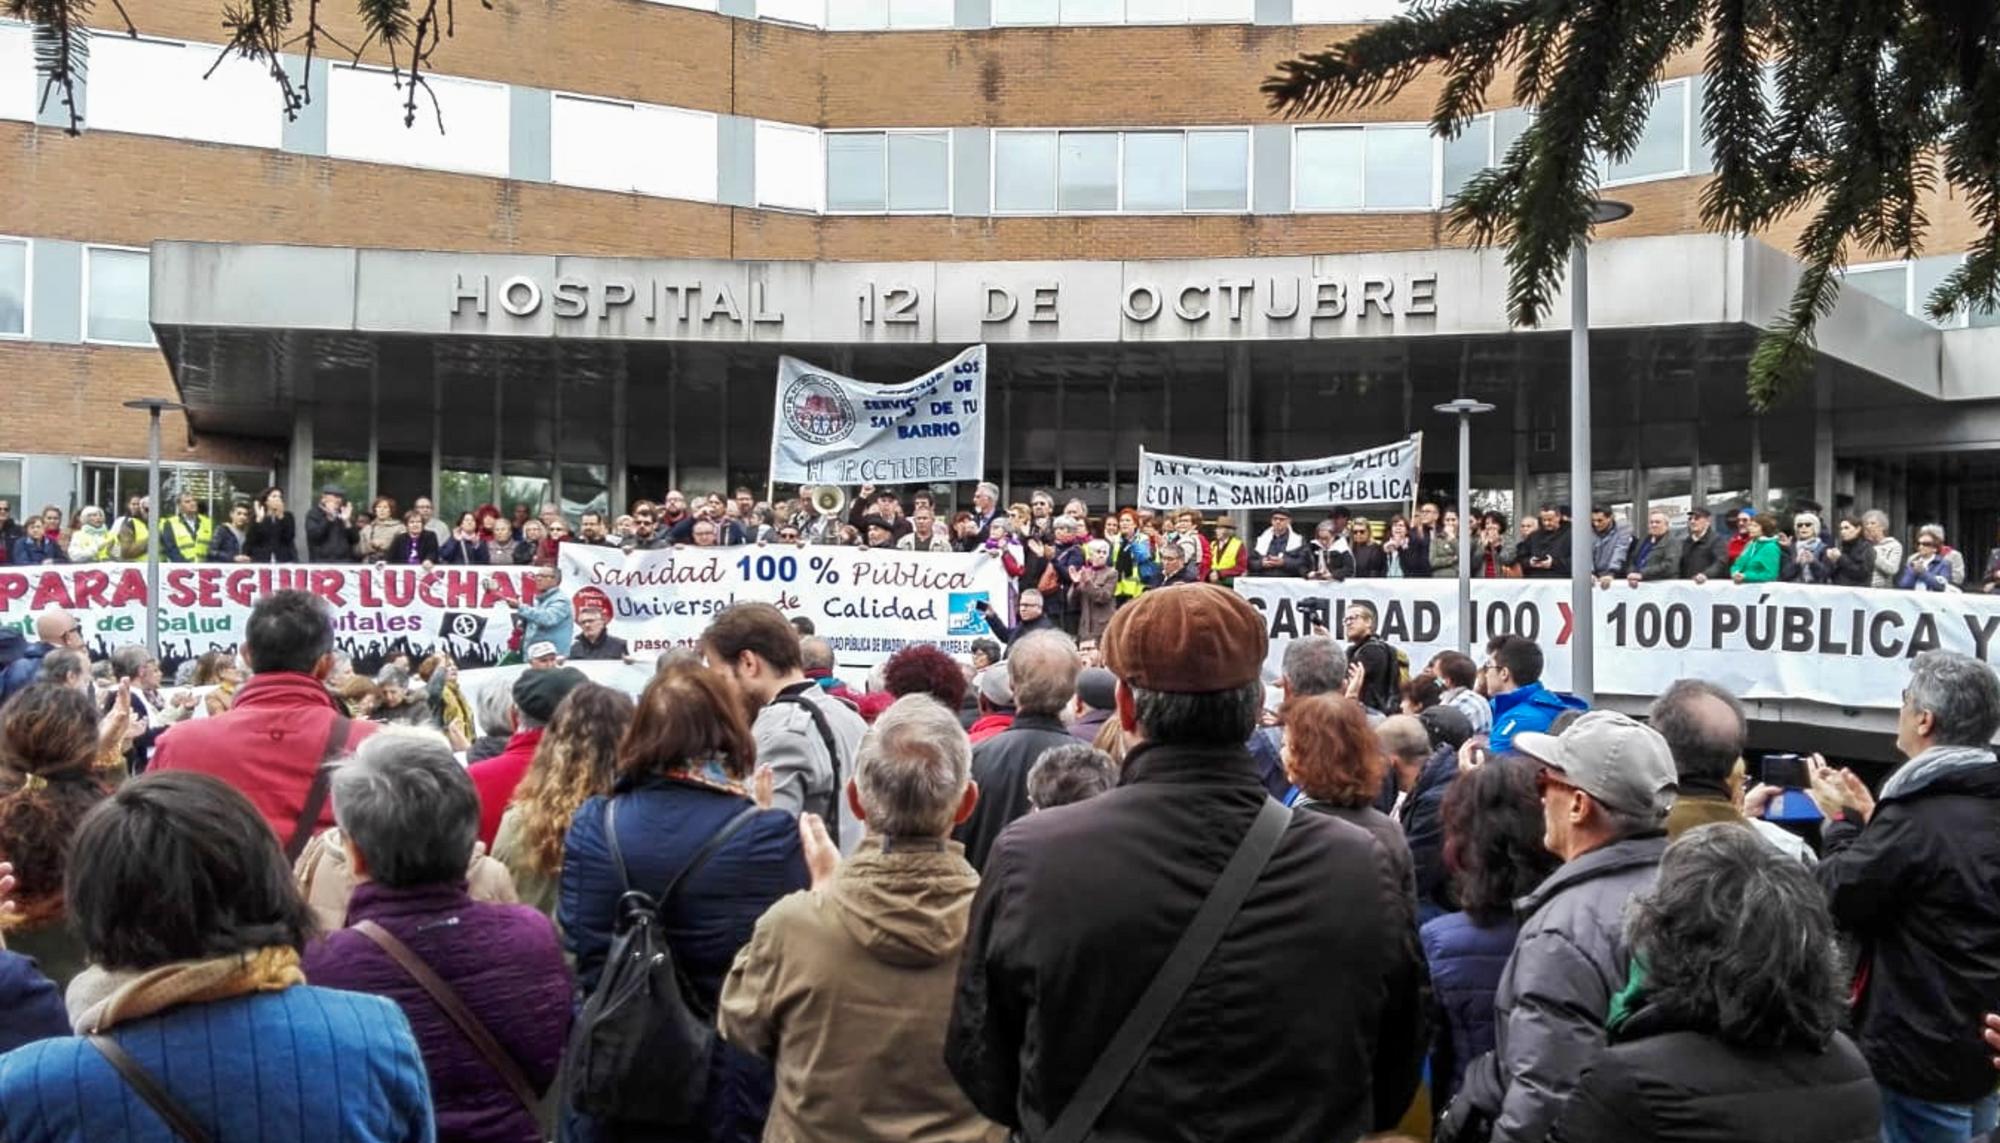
(1386, 474)
(830, 429)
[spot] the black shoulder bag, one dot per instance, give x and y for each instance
(639, 1051)
(1142, 1025)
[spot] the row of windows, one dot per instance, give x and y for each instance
(157, 87)
(876, 15)
(116, 287)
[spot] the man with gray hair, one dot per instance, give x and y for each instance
(1914, 874)
(408, 817)
(1314, 665)
(1042, 668)
(875, 942)
(1606, 784)
(1068, 774)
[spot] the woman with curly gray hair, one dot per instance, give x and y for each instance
(1729, 1025)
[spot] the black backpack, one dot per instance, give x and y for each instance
(639, 1052)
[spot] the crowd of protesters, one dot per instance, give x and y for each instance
(1097, 561)
(1104, 880)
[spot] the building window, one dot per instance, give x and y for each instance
(811, 13)
(876, 171)
(1174, 171)
(1006, 12)
(1468, 154)
(14, 259)
(788, 167)
(1885, 282)
(115, 291)
(613, 145)
(1139, 172)
(1218, 170)
(874, 15)
(1155, 171)
(365, 120)
(1087, 171)
(1344, 11)
(19, 88)
(165, 87)
(1024, 171)
(1364, 168)
(1663, 146)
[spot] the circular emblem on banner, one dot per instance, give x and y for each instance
(817, 410)
(466, 626)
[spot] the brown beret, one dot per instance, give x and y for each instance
(1195, 638)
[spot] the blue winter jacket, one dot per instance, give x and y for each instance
(303, 1064)
(31, 1007)
(20, 662)
(661, 823)
(1422, 819)
(1528, 710)
(547, 618)
(1465, 961)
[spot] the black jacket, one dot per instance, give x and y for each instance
(1554, 545)
(272, 541)
(1368, 561)
(1707, 556)
(1856, 564)
(608, 648)
(1919, 885)
(1328, 559)
(1656, 1084)
(1422, 819)
(399, 548)
(1000, 765)
(329, 539)
(1077, 909)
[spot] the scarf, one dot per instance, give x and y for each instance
(1930, 765)
(100, 998)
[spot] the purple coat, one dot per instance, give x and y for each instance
(506, 964)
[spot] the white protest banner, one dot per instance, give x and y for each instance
(1386, 474)
(868, 603)
(1419, 616)
(831, 429)
(377, 610)
(1843, 646)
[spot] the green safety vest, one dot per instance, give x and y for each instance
(192, 548)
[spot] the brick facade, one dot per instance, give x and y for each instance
(107, 187)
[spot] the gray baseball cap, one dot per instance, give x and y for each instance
(1624, 764)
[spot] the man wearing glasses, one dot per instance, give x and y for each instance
(647, 535)
(55, 630)
(1606, 785)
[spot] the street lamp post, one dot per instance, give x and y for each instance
(1464, 408)
(1583, 678)
(154, 406)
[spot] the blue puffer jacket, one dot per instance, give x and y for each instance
(661, 824)
(304, 1063)
(1465, 961)
(1528, 710)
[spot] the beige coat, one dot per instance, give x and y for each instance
(848, 990)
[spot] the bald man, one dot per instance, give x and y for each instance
(55, 630)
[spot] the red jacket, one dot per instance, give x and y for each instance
(267, 745)
(990, 725)
(496, 778)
